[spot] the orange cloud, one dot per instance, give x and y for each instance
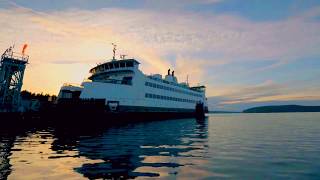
(65, 44)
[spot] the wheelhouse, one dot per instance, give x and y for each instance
(115, 71)
(115, 65)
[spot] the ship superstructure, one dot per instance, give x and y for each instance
(126, 89)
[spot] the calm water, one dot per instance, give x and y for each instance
(241, 146)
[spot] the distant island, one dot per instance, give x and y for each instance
(223, 112)
(283, 108)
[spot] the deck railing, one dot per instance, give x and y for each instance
(175, 84)
(15, 56)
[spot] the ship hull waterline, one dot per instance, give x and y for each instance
(91, 119)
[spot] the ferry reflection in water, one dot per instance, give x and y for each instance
(160, 148)
(6, 144)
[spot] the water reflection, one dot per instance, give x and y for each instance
(154, 149)
(7, 140)
(240, 146)
(6, 143)
(139, 150)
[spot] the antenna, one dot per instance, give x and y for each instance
(188, 79)
(114, 51)
(123, 56)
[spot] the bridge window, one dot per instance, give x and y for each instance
(127, 80)
(122, 64)
(129, 64)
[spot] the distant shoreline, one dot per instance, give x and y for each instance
(273, 109)
(282, 109)
(224, 112)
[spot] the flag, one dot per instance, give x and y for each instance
(24, 48)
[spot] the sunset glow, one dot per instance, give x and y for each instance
(241, 56)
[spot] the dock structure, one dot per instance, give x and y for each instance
(12, 67)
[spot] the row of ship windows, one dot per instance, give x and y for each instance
(154, 96)
(117, 65)
(170, 89)
(175, 84)
(113, 66)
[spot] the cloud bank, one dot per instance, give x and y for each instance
(65, 44)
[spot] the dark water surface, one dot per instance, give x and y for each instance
(237, 146)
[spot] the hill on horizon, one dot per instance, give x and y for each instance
(282, 108)
(217, 103)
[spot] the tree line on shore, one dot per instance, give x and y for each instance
(27, 95)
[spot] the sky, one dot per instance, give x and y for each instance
(252, 52)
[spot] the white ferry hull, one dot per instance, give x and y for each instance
(125, 89)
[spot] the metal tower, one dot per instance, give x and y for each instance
(12, 68)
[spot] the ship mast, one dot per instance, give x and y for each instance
(114, 51)
(188, 79)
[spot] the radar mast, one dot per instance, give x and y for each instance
(114, 51)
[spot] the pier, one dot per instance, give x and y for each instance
(12, 67)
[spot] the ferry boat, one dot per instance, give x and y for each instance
(122, 87)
